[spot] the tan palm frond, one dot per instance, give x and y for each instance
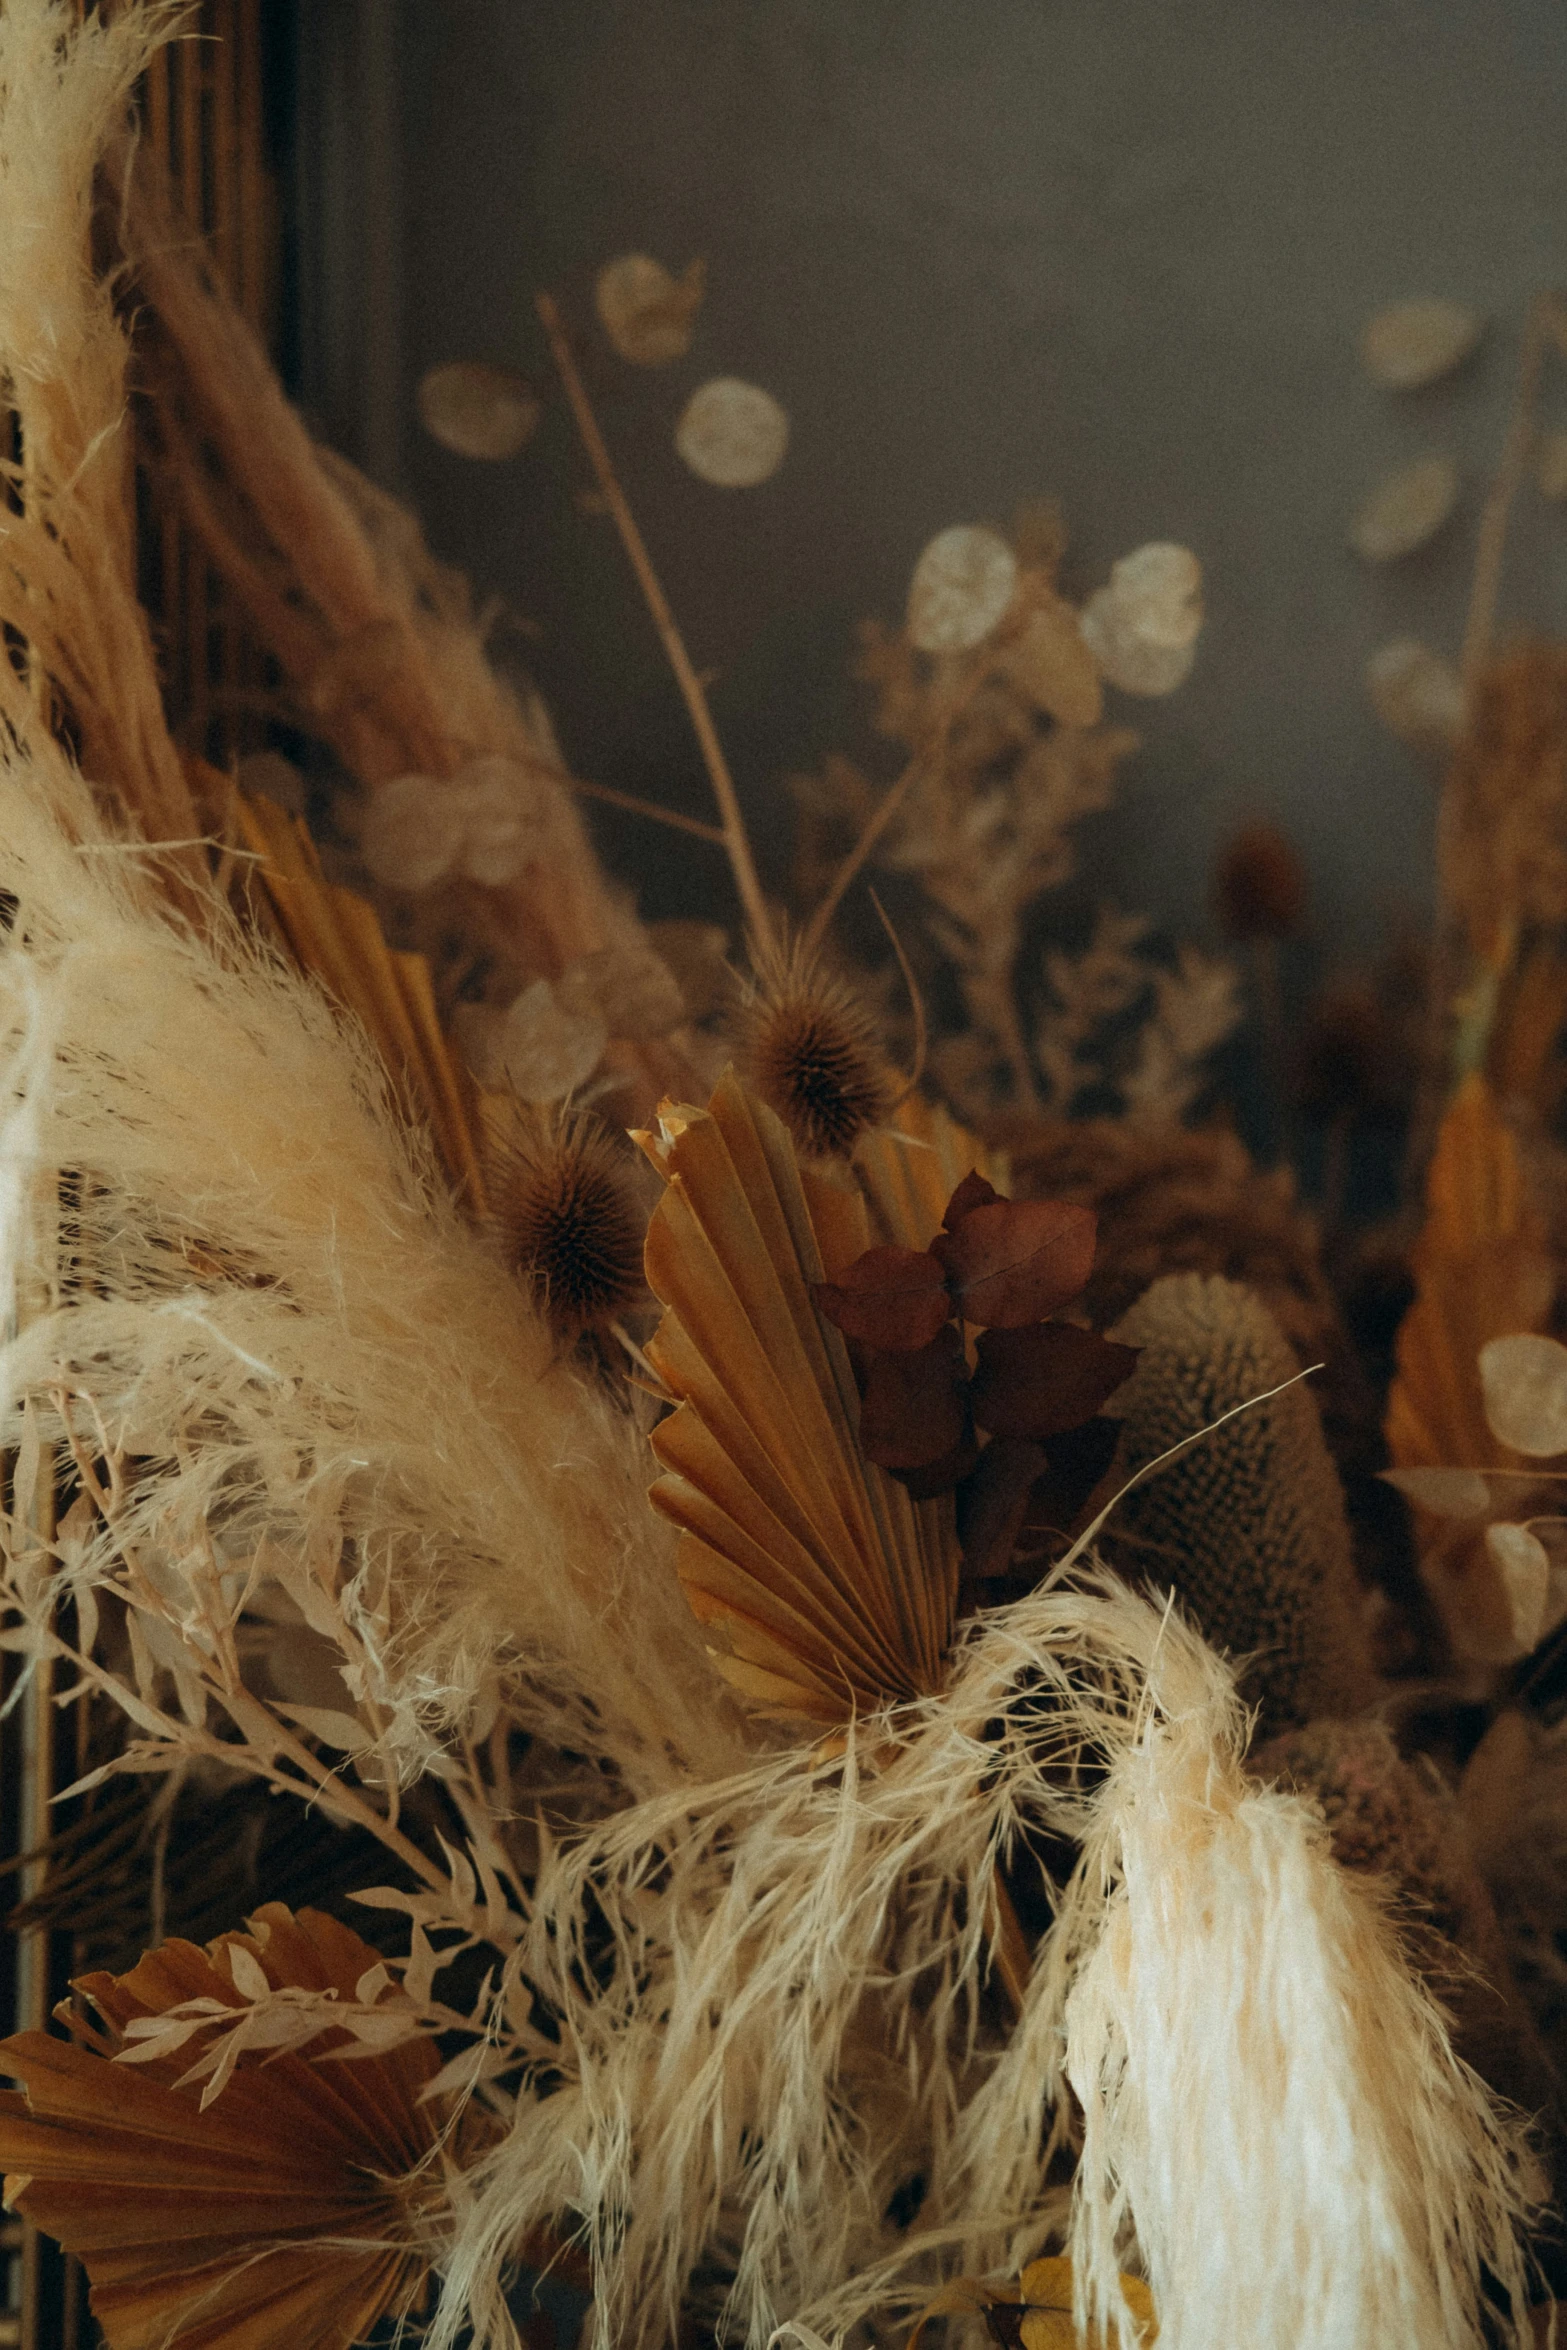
(833, 1592)
(337, 938)
(1481, 1272)
(910, 1168)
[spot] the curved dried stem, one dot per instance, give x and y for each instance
(736, 841)
(916, 1001)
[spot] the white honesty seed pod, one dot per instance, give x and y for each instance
(1142, 628)
(1405, 511)
(1413, 343)
(413, 831)
(477, 410)
(545, 1050)
(1417, 695)
(649, 314)
(1523, 1382)
(960, 588)
(732, 434)
(502, 800)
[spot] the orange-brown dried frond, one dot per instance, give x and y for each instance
(806, 1043)
(294, 2210)
(565, 1212)
(1504, 855)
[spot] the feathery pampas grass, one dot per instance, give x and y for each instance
(67, 565)
(770, 1991)
(311, 1367)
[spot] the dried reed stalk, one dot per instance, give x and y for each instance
(377, 641)
(67, 565)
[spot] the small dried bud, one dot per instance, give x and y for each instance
(1260, 884)
(809, 1047)
(1344, 1062)
(567, 1218)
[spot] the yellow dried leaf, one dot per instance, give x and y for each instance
(1047, 2310)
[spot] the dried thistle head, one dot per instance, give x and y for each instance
(807, 1044)
(565, 1211)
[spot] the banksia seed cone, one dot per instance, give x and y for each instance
(1248, 1525)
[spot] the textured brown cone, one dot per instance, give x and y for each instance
(279, 2217)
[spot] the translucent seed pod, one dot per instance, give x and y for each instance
(502, 799)
(413, 832)
(631, 989)
(476, 410)
(1143, 627)
(546, 1050)
(1406, 511)
(1523, 1381)
(1417, 695)
(732, 434)
(1413, 343)
(961, 587)
(648, 313)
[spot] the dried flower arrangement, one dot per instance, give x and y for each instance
(802, 1879)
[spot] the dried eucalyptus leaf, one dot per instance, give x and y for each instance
(476, 410)
(1406, 511)
(648, 313)
(732, 434)
(961, 588)
(1524, 1383)
(1418, 341)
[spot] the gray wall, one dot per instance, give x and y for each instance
(1115, 251)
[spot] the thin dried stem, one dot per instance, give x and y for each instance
(650, 809)
(735, 838)
(1547, 323)
(916, 1001)
(875, 825)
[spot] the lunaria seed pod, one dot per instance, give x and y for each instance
(1406, 510)
(1413, 343)
(476, 410)
(962, 585)
(732, 434)
(648, 314)
(1417, 695)
(545, 1048)
(413, 832)
(1524, 1383)
(502, 803)
(632, 990)
(1143, 628)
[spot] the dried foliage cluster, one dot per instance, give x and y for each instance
(770, 1671)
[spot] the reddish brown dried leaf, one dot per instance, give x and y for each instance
(946, 1472)
(894, 1298)
(913, 1409)
(993, 1503)
(1037, 1381)
(1011, 1262)
(973, 1192)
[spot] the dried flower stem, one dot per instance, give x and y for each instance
(650, 809)
(1546, 323)
(734, 835)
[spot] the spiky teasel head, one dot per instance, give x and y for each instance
(567, 1216)
(806, 1043)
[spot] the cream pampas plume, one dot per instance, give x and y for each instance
(1249, 1525)
(67, 559)
(310, 1368)
(1270, 2100)
(770, 1989)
